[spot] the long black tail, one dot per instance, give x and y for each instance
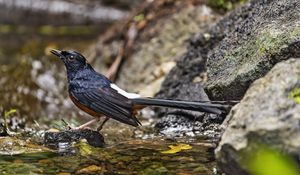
(203, 106)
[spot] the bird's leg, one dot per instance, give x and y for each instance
(102, 124)
(86, 124)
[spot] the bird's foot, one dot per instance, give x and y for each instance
(102, 124)
(83, 126)
(67, 125)
(80, 128)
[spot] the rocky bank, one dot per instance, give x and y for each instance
(268, 114)
(241, 48)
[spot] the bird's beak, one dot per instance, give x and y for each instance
(57, 53)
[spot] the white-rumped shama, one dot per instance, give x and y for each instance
(96, 95)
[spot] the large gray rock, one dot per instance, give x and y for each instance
(239, 49)
(264, 33)
(267, 114)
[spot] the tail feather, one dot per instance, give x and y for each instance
(195, 106)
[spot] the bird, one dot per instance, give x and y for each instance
(96, 95)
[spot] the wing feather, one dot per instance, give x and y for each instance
(109, 102)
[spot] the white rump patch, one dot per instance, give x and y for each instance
(124, 93)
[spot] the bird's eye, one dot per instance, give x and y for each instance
(71, 58)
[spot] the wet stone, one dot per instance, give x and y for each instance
(63, 139)
(10, 146)
(177, 122)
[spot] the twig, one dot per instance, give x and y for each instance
(112, 71)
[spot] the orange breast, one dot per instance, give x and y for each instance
(84, 108)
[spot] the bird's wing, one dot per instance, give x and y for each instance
(109, 102)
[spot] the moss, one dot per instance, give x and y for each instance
(156, 169)
(268, 42)
(251, 57)
(225, 4)
(295, 95)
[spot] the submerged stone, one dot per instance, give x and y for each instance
(64, 139)
(15, 146)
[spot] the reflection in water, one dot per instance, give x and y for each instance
(132, 157)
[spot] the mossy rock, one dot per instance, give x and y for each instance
(265, 34)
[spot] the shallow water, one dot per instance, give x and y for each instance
(34, 83)
(131, 157)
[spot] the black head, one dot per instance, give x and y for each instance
(73, 60)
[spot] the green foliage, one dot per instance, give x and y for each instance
(295, 95)
(139, 17)
(8, 113)
(267, 161)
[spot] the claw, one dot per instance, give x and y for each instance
(67, 125)
(102, 124)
